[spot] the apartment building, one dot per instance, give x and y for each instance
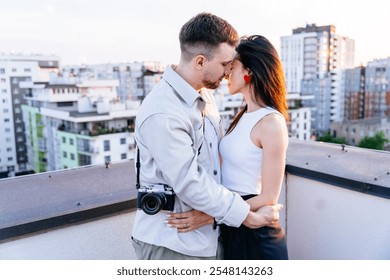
(367, 102)
(377, 89)
(16, 68)
(76, 124)
(354, 92)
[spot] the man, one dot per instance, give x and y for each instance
(170, 129)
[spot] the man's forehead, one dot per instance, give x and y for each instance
(225, 53)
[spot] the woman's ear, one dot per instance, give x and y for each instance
(199, 61)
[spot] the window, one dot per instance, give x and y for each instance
(72, 156)
(123, 141)
(63, 139)
(71, 141)
(123, 156)
(64, 154)
(2, 70)
(106, 145)
(65, 104)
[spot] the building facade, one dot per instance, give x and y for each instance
(354, 131)
(377, 89)
(354, 92)
(14, 69)
(74, 125)
(136, 79)
(367, 102)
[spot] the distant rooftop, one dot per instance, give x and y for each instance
(314, 28)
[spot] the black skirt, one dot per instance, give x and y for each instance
(243, 243)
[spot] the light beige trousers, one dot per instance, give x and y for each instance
(146, 251)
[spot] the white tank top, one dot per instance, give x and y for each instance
(241, 158)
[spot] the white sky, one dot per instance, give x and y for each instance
(96, 31)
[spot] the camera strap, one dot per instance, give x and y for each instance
(138, 165)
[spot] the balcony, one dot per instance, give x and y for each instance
(337, 202)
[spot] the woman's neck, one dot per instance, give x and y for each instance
(252, 105)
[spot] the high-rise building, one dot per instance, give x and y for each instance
(367, 102)
(14, 69)
(377, 89)
(367, 91)
(313, 58)
(354, 92)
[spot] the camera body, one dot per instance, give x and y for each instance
(153, 198)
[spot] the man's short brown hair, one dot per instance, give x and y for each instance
(204, 33)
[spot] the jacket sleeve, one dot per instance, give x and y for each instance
(170, 144)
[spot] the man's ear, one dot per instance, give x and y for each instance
(199, 61)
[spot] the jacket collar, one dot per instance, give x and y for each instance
(185, 90)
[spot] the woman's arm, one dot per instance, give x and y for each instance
(188, 221)
(271, 135)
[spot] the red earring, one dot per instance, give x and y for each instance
(247, 78)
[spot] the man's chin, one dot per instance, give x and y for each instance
(213, 85)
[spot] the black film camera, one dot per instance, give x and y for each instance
(153, 198)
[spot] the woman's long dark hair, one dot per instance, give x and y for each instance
(259, 55)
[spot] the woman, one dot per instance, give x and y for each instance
(253, 151)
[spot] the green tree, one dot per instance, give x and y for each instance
(377, 142)
(329, 138)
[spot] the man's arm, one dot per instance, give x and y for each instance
(189, 221)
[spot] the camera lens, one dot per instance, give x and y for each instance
(152, 203)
